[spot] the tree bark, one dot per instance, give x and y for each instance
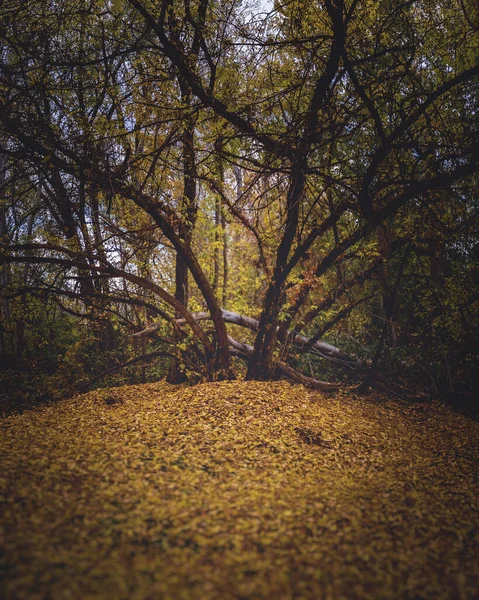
(4, 269)
(326, 350)
(186, 225)
(246, 351)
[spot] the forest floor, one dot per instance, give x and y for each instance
(238, 490)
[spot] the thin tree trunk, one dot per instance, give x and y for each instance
(224, 299)
(106, 333)
(4, 269)
(175, 374)
(220, 231)
(216, 250)
(389, 312)
(189, 211)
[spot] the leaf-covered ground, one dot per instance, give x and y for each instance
(238, 490)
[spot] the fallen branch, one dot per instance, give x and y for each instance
(326, 350)
(245, 351)
(302, 343)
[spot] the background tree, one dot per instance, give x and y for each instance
(315, 144)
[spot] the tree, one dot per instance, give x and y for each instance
(315, 126)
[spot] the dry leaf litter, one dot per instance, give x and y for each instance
(238, 490)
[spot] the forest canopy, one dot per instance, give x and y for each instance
(204, 189)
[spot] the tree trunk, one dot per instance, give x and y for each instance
(175, 374)
(188, 212)
(220, 231)
(224, 300)
(4, 269)
(389, 312)
(217, 242)
(303, 343)
(106, 331)
(261, 364)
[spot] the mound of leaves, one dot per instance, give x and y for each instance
(238, 490)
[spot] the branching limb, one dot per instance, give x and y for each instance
(245, 351)
(323, 348)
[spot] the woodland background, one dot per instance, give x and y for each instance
(202, 190)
